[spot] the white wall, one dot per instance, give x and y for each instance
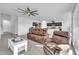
(66, 20)
(24, 24)
(12, 25)
(5, 26)
(17, 24)
(21, 25)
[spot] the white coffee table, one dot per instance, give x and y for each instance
(17, 46)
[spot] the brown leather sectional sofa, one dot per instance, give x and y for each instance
(51, 45)
(58, 38)
(38, 35)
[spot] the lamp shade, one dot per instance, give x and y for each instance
(43, 24)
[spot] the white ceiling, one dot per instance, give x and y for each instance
(45, 10)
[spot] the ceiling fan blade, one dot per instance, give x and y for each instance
(21, 10)
(28, 12)
(24, 13)
(34, 14)
(35, 11)
(28, 9)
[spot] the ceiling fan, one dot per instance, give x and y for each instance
(28, 11)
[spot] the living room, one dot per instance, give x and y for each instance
(23, 20)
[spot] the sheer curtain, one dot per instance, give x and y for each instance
(0, 27)
(76, 29)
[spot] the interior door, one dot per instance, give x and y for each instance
(6, 25)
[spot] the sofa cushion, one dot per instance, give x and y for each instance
(60, 40)
(41, 32)
(62, 33)
(37, 38)
(50, 44)
(65, 49)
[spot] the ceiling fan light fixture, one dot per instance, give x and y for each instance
(29, 12)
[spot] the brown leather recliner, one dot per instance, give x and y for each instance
(59, 37)
(37, 35)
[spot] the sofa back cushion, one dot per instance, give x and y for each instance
(60, 38)
(61, 33)
(41, 32)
